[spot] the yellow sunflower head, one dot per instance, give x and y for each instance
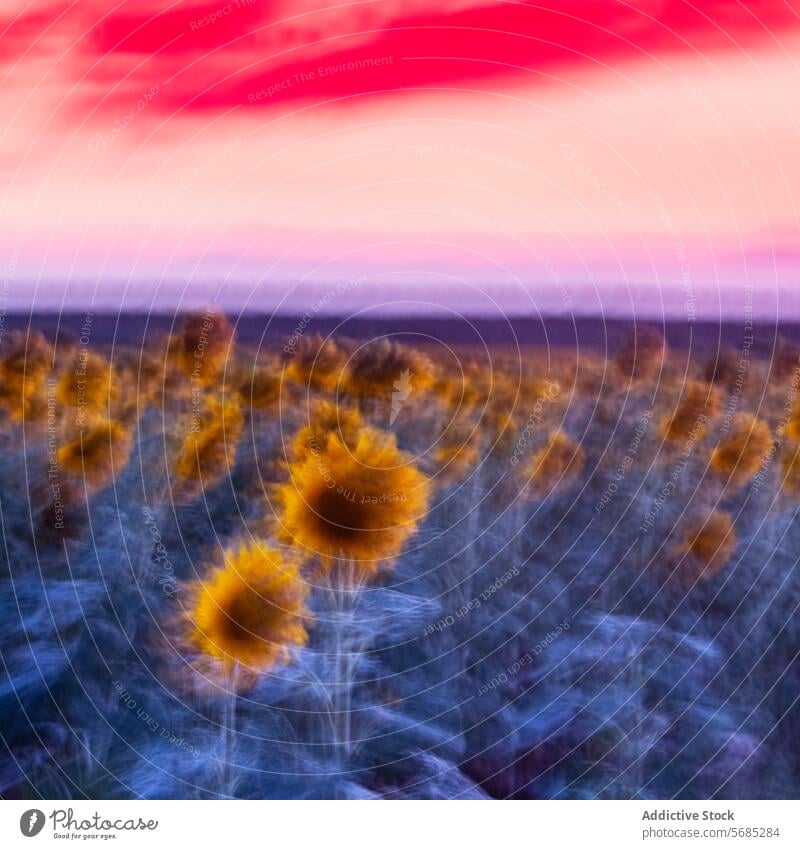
(790, 471)
(315, 362)
(97, 452)
(26, 353)
(359, 504)
(26, 361)
(555, 465)
(742, 449)
(697, 404)
(461, 394)
(208, 451)
(88, 386)
(378, 366)
(204, 345)
(541, 389)
(502, 407)
(250, 612)
(792, 429)
(706, 546)
(260, 387)
(139, 377)
(326, 418)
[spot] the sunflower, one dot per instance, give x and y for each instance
(23, 370)
(260, 388)
(555, 465)
(88, 386)
(487, 401)
(707, 544)
(589, 375)
(316, 363)
(740, 452)
(140, 374)
(462, 396)
(27, 353)
(697, 404)
(251, 611)
(208, 451)
(358, 504)
(790, 471)
(327, 418)
(502, 406)
(203, 346)
(643, 353)
(541, 389)
(792, 429)
(376, 367)
(97, 452)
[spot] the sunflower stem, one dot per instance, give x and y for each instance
(229, 733)
(346, 587)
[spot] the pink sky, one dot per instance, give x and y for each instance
(586, 156)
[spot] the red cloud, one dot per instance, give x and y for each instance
(265, 55)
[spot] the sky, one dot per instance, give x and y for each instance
(475, 156)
